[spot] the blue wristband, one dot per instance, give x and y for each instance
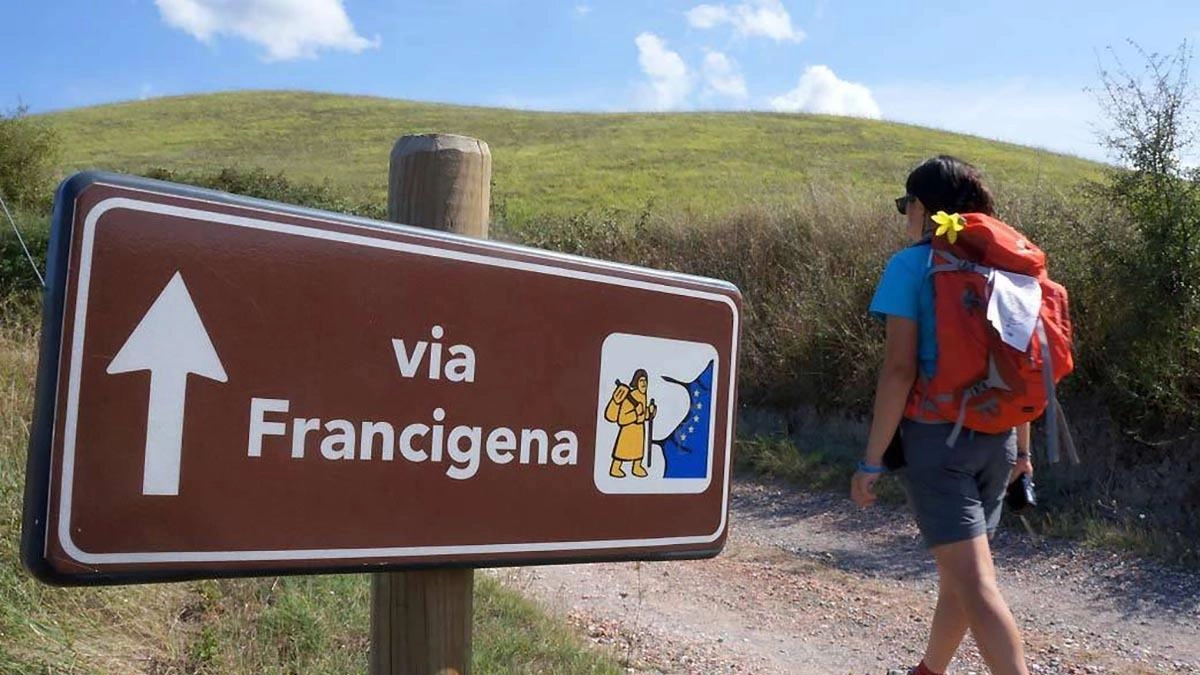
(867, 468)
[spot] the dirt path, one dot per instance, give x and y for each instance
(810, 584)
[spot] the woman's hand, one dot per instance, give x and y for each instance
(1023, 466)
(862, 488)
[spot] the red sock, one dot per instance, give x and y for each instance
(923, 669)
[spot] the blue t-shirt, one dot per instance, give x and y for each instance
(906, 290)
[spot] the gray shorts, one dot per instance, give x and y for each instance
(955, 493)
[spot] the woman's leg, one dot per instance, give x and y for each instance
(965, 568)
(947, 631)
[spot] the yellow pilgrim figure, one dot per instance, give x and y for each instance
(629, 409)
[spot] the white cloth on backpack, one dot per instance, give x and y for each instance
(1014, 307)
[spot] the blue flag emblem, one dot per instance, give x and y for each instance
(686, 450)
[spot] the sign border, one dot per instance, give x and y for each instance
(36, 535)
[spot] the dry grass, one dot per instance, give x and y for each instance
(806, 272)
(46, 629)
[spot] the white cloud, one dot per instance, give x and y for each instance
(752, 18)
(1042, 114)
(820, 91)
(723, 77)
(708, 16)
(288, 29)
(669, 80)
(583, 10)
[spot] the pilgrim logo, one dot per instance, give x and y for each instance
(629, 410)
(655, 415)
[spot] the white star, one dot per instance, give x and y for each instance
(691, 429)
(695, 418)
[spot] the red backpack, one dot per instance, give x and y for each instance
(982, 381)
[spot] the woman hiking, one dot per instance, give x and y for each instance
(955, 491)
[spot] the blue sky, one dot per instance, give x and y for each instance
(1012, 69)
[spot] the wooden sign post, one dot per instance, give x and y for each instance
(421, 621)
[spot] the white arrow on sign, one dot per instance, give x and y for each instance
(170, 342)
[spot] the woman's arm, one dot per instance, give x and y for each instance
(1024, 460)
(1023, 438)
(896, 378)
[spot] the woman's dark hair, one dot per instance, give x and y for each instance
(640, 372)
(946, 183)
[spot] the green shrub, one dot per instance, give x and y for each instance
(1154, 349)
(276, 187)
(29, 151)
(16, 273)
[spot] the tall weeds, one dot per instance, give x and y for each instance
(807, 272)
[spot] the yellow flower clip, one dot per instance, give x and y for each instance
(949, 224)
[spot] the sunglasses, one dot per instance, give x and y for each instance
(903, 202)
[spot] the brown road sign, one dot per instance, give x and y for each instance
(229, 386)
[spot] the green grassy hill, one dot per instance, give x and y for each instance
(545, 164)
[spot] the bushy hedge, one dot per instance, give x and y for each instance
(32, 214)
(275, 187)
(28, 154)
(16, 274)
(807, 275)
